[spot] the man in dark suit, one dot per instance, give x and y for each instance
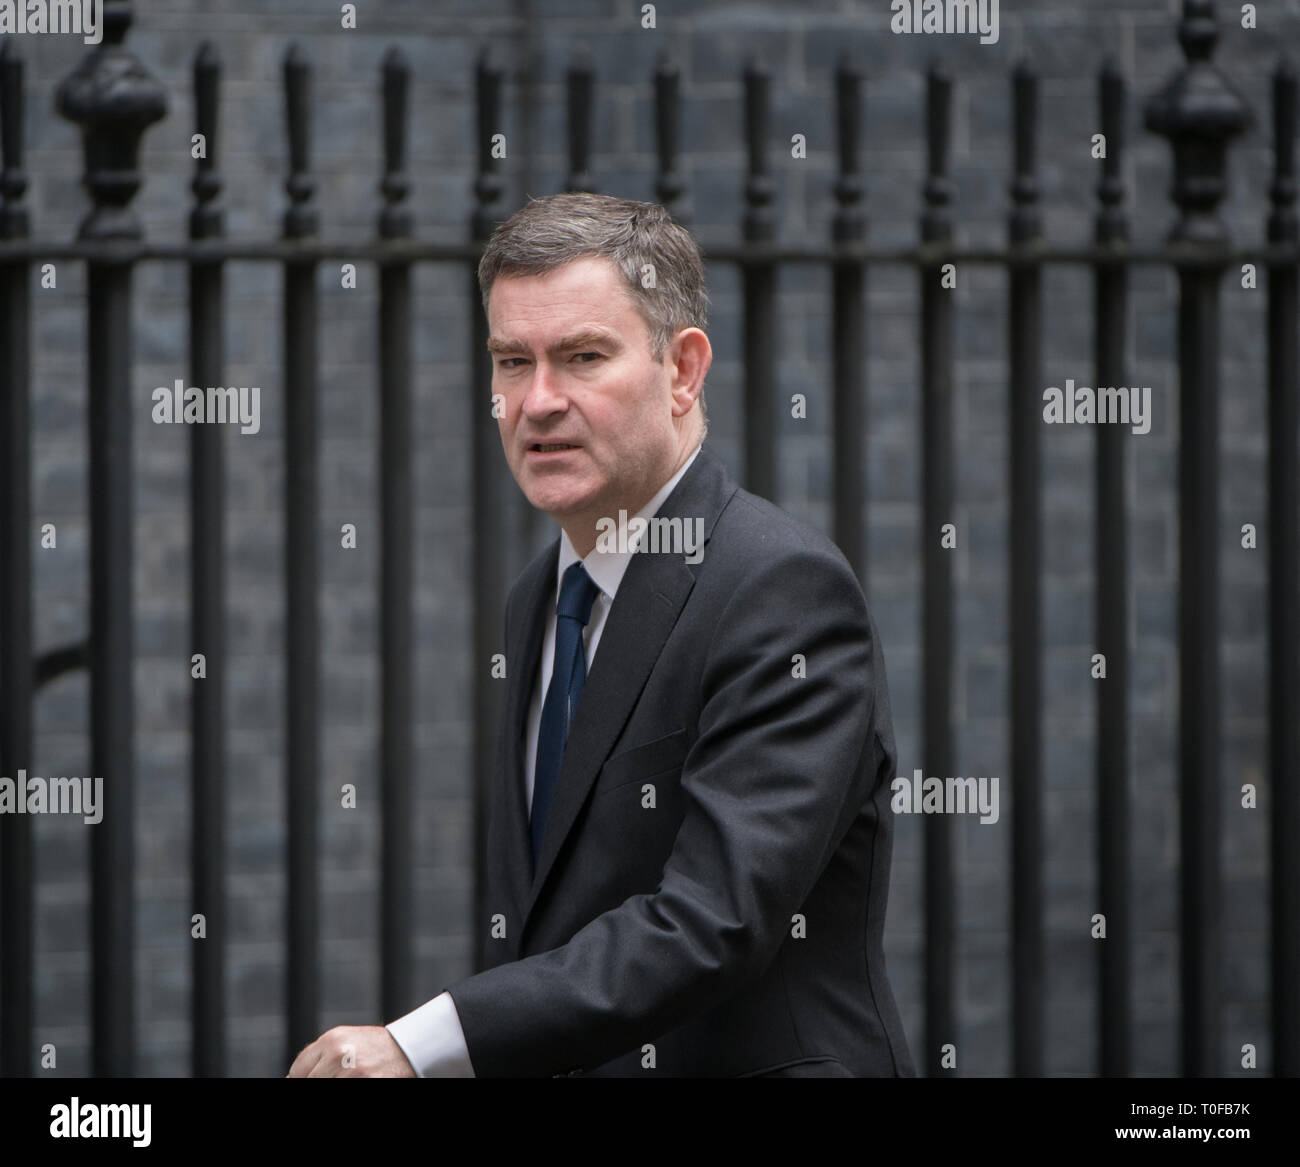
(690, 833)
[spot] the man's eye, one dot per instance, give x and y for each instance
(596, 355)
(505, 363)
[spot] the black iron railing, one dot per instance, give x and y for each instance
(115, 100)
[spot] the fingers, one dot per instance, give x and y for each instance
(325, 1057)
(343, 1051)
(328, 1067)
(307, 1061)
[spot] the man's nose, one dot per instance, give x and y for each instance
(544, 396)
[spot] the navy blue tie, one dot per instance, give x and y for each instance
(578, 592)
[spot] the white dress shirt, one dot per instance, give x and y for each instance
(431, 1036)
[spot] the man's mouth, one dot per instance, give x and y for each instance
(550, 447)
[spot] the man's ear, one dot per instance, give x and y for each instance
(689, 358)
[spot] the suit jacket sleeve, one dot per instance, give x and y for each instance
(771, 783)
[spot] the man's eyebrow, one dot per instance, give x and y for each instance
(588, 336)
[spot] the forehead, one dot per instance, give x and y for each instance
(586, 291)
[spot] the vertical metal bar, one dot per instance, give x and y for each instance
(208, 597)
(937, 600)
(302, 506)
(1198, 489)
(112, 647)
(397, 566)
(849, 326)
(758, 292)
(1284, 566)
(16, 889)
(579, 85)
(1198, 111)
(114, 100)
(1026, 591)
(489, 493)
(670, 185)
(1110, 311)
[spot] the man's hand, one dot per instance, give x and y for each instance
(352, 1051)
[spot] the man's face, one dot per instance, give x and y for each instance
(587, 424)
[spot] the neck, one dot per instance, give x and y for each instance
(581, 529)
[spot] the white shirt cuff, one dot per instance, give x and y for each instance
(432, 1040)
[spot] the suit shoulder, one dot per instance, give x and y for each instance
(757, 533)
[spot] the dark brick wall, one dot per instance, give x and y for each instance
(1066, 43)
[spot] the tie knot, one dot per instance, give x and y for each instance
(577, 593)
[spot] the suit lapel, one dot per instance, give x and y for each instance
(649, 600)
(529, 629)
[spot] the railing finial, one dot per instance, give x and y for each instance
(206, 217)
(114, 99)
(1026, 218)
(1282, 226)
(301, 218)
(488, 184)
(579, 83)
(759, 223)
(849, 224)
(936, 219)
(13, 179)
(670, 186)
(395, 219)
(1198, 110)
(1112, 224)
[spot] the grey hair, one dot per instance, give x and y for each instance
(548, 232)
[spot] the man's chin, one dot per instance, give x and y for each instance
(558, 502)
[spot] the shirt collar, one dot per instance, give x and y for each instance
(607, 568)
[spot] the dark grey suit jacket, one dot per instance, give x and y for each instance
(715, 869)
